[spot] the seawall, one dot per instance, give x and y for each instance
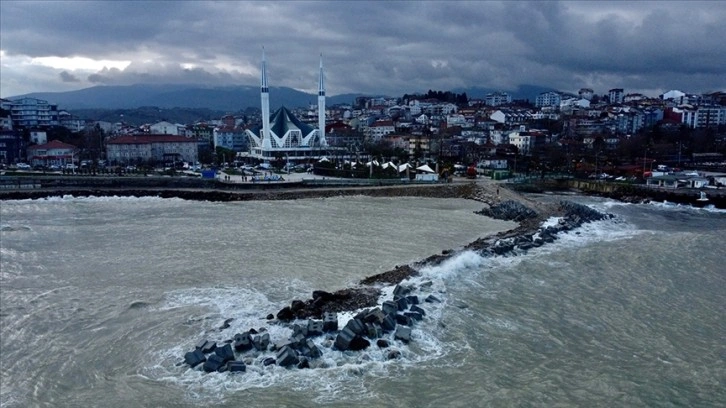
(631, 193)
(213, 190)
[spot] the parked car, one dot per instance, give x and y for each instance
(22, 166)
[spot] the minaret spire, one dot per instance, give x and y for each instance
(321, 88)
(321, 105)
(265, 102)
(264, 72)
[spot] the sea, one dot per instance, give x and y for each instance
(100, 297)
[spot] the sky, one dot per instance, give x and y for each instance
(370, 47)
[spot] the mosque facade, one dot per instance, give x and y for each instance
(284, 136)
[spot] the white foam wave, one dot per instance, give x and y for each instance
(336, 373)
(666, 205)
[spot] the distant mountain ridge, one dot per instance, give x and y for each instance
(227, 98)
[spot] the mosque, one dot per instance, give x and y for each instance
(282, 135)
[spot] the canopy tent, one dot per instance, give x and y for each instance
(425, 168)
(324, 159)
(387, 165)
(404, 167)
(375, 163)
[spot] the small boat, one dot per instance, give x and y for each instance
(703, 197)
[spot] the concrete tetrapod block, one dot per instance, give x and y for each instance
(362, 315)
(374, 316)
(356, 326)
(402, 303)
(242, 341)
(401, 290)
(373, 331)
(403, 319)
(418, 309)
(225, 352)
(298, 329)
(403, 333)
(213, 363)
(261, 342)
(414, 315)
(200, 344)
(236, 366)
(278, 345)
(297, 341)
(209, 347)
(315, 327)
(330, 321)
(390, 307)
(412, 299)
(343, 339)
(286, 357)
(389, 323)
(194, 358)
(206, 346)
(311, 350)
(432, 299)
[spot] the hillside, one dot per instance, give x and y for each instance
(226, 99)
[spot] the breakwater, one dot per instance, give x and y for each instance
(383, 320)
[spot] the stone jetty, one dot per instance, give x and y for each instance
(383, 323)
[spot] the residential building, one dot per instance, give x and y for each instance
(38, 137)
(167, 128)
(151, 149)
(381, 128)
(551, 98)
(71, 122)
(497, 99)
(12, 146)
(230, 138)
(6, 121)
(28, 112)
(54, 152)
(703, 116)
(616, 95)
(419, 146)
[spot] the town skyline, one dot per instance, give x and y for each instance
(367, 47)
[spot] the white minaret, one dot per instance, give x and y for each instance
(321, 106)
(265, 96)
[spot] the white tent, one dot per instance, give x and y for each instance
(375, 163)
(387, 165)
(324, 159)
(404, 167)
(425, 168)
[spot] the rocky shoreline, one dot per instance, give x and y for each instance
(388, 323)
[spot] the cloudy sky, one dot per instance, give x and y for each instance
(370, 47)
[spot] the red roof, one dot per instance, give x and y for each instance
(53, 144)
(144, 139)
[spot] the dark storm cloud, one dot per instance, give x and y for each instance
(66, 77)
(381, 47)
